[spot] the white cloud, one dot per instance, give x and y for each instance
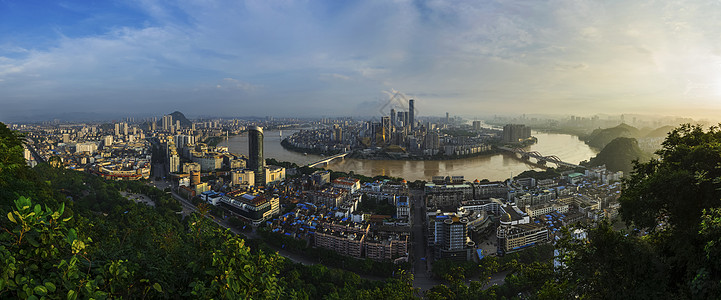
(471, 54)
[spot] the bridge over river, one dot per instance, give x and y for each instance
(540, 159)
(328, 159)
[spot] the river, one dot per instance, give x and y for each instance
(493, 167)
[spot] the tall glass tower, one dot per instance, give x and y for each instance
(412, 114)
(256, 162)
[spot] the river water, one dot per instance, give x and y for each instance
(493, 167)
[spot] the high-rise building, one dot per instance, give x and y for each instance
(448, 118)
(386, 123)
(173, 161)
(167, 122)
(194, 178)
(256, 162)
(107, 141)
(406, 120)
(117, 129)
(377, 130)
(338, 133)
(412, 114)
(450, 238)
(476, 125)
(125, 129)
(514, 133)
(393, 117)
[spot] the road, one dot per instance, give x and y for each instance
(421, 268)
(496, 279)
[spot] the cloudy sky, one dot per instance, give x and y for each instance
(315, 58)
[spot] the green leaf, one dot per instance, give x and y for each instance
(22, 203)
(72, 236)
(50, 286)
(157, 287)
(78, 246)
(10, 216)
(41, 290)
(62, 209)
(37, 209)
(72, 295)
(32, 241)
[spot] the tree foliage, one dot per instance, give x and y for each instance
(673, 205)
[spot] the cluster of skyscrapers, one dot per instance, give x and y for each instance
(398, 122)
(515, 133)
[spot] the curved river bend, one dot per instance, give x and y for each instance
(493, 167)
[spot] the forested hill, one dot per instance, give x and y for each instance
(619, 154)
(660, 132)
(599, 138)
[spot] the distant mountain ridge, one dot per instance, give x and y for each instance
(599, 138)
(660, 132)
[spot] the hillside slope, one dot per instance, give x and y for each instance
(619, 154)
(599, 138)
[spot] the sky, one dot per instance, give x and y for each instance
(326, 58)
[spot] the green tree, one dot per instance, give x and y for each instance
(234, 273)
(41, 257)
(668, 197)
(608, 264)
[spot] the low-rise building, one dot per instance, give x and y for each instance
(321, 177)
(274, 174)
(386, 246)
(345, 240)
(242, 178)
(512, 238)
(191, 166)
(331, 197)
(403, 209)
(254, 208)
(350, 184)
(545, 208)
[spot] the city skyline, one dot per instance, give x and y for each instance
(293, 58)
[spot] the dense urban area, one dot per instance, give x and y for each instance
(442, 238)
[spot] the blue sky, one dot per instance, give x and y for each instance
(314, 58)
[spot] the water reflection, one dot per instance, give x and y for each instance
(493, 167)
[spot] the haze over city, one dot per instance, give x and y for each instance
(297, 58)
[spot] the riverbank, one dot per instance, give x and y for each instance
(286, 145)
(214, 141)
(390, 155)
(487, 165)
(387, 156)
